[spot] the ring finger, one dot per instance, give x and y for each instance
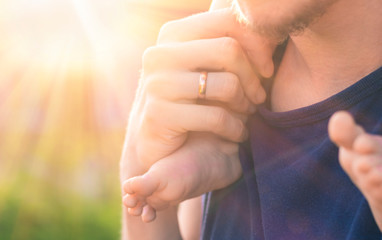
(220, 86)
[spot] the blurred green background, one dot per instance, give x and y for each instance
(68, 73)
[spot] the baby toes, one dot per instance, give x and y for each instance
(144, 185)
(347, 158)
(126, 186)
(130, 201)
(137, 210)
(148, 214)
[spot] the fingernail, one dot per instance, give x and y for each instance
(268, 70)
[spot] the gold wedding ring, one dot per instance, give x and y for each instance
(202, 85)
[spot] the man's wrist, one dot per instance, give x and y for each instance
(130, 166)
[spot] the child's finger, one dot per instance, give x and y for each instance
(346, 159)
(362, 164)
(343, 130)
(373, 178)
(369, 177)
(362, 169)
(356, 166)
(368, 144)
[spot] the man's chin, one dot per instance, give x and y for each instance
(278, 23)
(261, 23)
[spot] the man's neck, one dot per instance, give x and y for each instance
(339, 49)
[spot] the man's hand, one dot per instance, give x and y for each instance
(165, 108)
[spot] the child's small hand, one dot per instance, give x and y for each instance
(360, 155)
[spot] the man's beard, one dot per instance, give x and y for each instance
(279, 25)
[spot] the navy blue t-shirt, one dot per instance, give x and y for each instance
(293, 186)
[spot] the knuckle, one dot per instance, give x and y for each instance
(151, 110)
(151, 56)
(238, 130)
(217, 118)
(241, 132)
(242, 106)
(154, 84)
(230, 87)
(232, 48)
(166, 31)
(255, 84)
(246, 105)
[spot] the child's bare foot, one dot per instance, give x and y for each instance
(203, 164)
(360, 155)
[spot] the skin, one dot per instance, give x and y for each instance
(278, 19)
(360, 155)
(230, 82)
(177, 118)
(334, 52)
(165, 109)
(330, 55)
(171, 180)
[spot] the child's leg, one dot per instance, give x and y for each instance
(203, 164)
(360, 155)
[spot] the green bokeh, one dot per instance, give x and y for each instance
(36, 210)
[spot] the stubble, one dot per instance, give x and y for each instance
(280, 21)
